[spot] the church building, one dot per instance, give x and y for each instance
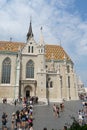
(36, 69)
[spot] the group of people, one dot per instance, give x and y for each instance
(82, 114)
(21, 119)
(57, 109)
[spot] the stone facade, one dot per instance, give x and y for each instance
(53, 73)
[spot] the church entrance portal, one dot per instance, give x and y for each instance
(27, 93)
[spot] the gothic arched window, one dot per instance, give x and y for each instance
(30, 69)
(6, 70)
(51, 84)
(68, 69)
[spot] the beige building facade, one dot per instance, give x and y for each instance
(36, 69)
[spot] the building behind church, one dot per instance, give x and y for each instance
(36, 69)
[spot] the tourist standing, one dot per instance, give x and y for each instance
(13, 121)
(4, 121)
(15, 102)
(31, 126)
(54, 109)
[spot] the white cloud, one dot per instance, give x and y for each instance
(56, 22)
(2, 3)
(59, 25)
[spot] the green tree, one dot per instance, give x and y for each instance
(76, 126)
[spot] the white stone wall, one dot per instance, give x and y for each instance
(8, 90)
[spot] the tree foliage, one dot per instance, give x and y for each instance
(76, 126)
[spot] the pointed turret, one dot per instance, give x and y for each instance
(41, 38)
(30, 33)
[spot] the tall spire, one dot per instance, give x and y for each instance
(30, 33)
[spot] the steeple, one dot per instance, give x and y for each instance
(30, 33)
(41, 38)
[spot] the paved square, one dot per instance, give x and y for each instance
(43, 114)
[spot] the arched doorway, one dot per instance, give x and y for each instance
(27, 93)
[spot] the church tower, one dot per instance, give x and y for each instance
(41, 84)
(41, 52)
(29, 65)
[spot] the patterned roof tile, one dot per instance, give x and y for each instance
(10, 46)
(55, 51)
(52, 51)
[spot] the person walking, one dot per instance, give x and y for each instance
(15, 102)
(54, 109)
(13, 121)
(57, 111)
(4, 121)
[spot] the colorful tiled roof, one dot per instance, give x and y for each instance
(55, 52)
(52, 51)
(10, 46)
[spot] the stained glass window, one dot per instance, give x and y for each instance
(30, 69)
(6, 70)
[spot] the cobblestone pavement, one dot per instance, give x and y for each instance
(43, 115)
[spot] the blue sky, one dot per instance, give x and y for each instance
(63, 21)
(81, 7)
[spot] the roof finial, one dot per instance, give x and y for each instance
(10, 39)
(31, 19)
(59, 41)
(41, 28)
